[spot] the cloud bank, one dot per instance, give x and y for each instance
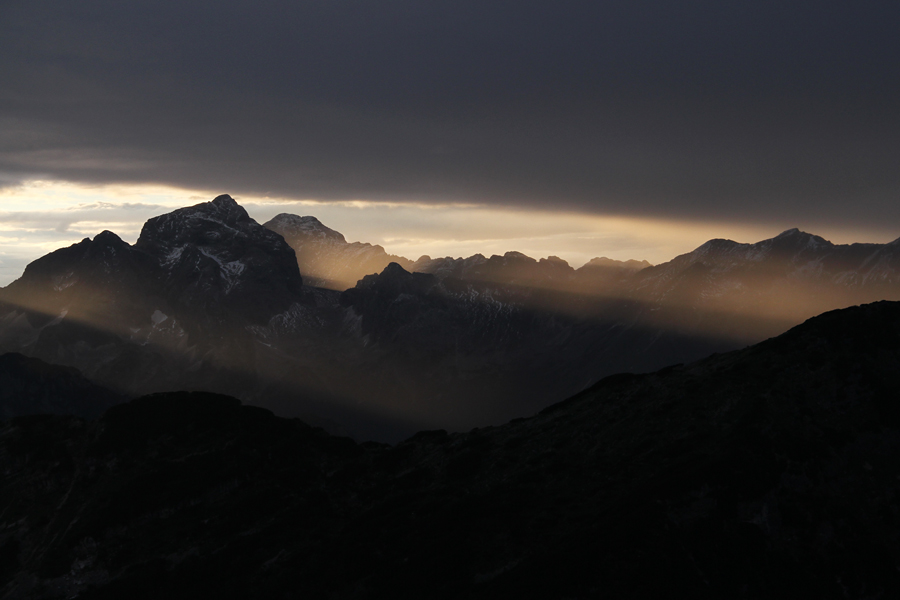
(724, 111)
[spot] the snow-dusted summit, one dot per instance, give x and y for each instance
(214, 258)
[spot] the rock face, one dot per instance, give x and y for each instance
(170, 312)
(206, 260)
(325, 258)
(767, 472)
(215, 259)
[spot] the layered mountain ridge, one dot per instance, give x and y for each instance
(328, 260)
(208, 299)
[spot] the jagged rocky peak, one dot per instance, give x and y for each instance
(214, 250)
(788, 244)
(610, 263)
(795, 237)
(394, 280)
(554, 267)
(555, 261)
(394, 270)
(306, 228)
(225, 207)
(203, 224)
(101, 260)
(394, 299)
(108, 251)
(103, 281)
(793, 231)
(221, 230)
(513, 257)
(108, 239)
(718, 246)
(392, 273)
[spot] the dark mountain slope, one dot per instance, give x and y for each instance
(29, 386)
(463, 357)
(769, 472)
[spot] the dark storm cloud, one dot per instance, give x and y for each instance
(688, 108)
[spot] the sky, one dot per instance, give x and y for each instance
(630, 129)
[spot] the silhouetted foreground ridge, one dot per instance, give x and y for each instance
(768, 472)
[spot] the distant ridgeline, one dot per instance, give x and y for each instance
(208, 299)
(768, 472)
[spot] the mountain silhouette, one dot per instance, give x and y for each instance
(208, 299)
(765, 472)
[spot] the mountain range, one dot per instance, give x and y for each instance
(768, 472)
(554, 432)
(208, 299)
(327, 260)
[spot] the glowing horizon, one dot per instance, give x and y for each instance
(40, 216)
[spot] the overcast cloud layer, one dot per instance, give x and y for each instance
(691, 109)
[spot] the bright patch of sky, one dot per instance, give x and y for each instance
(37, 217)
